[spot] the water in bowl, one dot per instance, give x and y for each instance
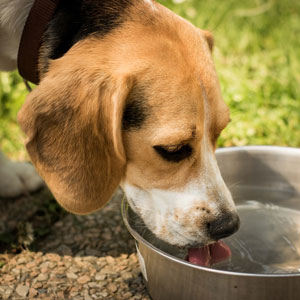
(268, 241)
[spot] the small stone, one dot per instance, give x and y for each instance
(107, 236)
(110, 260)
(8, 278)
(100, 276)
(73, 294)
(93, 291)
(67, 264)
(38, 254)
(127, 276)
(53, 257)
(61, 295)
(52, 264)
(32, 292)
(22, 290)
(112, 287)
(87, 297)
(34, 274)
(71, 275)
(127, 295)
(42, 291)
(37, 285)
(38, 260)
(7, 293)
(59, 270)
(24, 277)
(78, 259)
(22, 260)
(83, 279)
(103, 294)
(133, 258)
(121, 268)
(30, 265)
(90, 259)
(102, 284)
(44, 265)
(44, 270)
(108, 270)
(93, 284)
(43, 277)
(16, 271)
(64, 250)
(74, 289)
(59, 224)
(74, 270)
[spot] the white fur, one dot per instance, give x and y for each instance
(13, 14)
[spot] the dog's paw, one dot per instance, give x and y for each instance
(17, 178)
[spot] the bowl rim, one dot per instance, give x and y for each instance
(260, 148)
(139, 238)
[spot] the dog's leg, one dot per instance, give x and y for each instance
(17, 178)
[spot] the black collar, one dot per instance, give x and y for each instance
(39, 16)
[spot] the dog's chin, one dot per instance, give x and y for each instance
(186, 243)
(198, 244)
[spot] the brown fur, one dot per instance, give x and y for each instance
(73, 118)
(73, 123)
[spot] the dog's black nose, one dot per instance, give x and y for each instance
(223, 226)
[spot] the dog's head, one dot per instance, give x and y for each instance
(141, 107)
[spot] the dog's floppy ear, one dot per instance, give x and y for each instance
(73, 125)
(209, 38)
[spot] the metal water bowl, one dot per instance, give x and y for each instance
(271, 176)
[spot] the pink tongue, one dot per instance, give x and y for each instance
(209, 255)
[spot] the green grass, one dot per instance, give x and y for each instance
(257, 56)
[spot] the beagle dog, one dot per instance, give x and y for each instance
(128, 96)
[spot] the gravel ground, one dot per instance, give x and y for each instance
(71, 257)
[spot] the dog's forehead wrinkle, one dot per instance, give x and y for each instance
(170, 135)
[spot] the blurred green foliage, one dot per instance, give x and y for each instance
(257, 56)
(12, 95)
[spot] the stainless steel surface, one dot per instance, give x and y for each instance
(249, 172)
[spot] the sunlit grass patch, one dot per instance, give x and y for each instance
(257, 57)
(12, 95)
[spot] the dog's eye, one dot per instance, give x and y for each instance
(174, 153)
